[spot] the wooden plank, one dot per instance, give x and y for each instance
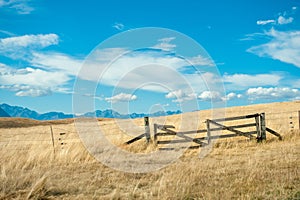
(231, 129)
(186, 132)
(205, 130)
(185, 137)
(274, 133)
(170, 132)
(236, 118)
(234, 127)
(243, 125)
(135, 139)
(164, 134)
(198, 140)
(213, 137)
(172, 149)
(250, 133)
(164, 126)
(173, 141)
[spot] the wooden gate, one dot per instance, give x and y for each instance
(216, 125)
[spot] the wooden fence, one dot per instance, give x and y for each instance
(259, 124)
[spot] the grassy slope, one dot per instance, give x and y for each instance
(233, 170)
(25, 122)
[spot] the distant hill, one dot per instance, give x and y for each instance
(17, 111)
(3, 113)
(114, 114)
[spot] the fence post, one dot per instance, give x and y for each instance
(263, 126)
(258, 132)
(52, 137)
(208, 131)
(147, 129)
(155, 134)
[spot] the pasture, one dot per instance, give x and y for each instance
(39, 164)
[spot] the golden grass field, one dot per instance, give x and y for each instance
(236, 168)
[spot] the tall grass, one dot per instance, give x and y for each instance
(235, 169)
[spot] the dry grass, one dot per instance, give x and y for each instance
(8, 122)
(235, 169)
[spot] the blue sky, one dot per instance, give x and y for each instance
(254, 45)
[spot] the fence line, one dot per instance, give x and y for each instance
(260, 130)
(291, 117)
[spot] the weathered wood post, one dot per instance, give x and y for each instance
(155, 134)
(52, 138)
(258, 132)
(263, 126)
(208, 130)
(147, 129)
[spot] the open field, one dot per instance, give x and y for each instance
(236, 168)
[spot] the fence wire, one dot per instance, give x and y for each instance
(68, 136)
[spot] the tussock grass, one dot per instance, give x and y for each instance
(9, 122)
(30, 168)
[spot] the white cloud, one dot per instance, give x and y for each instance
(282, 20)
(165, 44)
(46, 72)
(210, 96)
(26, 90)
(118, 26)
(253, 36)
(34, 92)
(272, 93)
(264, 22)
(232, 96)
(244, 81)
(181, 96)
(30, 76)
(129, 69)
(35, 41)
(32, 82)
(56, 61)
(134, 69)
(199, 60)
(20, 6)
(20, 47)
(122, 97)
(283, 46)
(161, 105)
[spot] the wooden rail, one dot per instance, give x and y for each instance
(165, 130)
(259, 124)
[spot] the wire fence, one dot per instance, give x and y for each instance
(62, 135)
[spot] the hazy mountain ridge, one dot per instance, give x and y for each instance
(17, 111)
(3, 113)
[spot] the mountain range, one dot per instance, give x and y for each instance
(17, 111)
